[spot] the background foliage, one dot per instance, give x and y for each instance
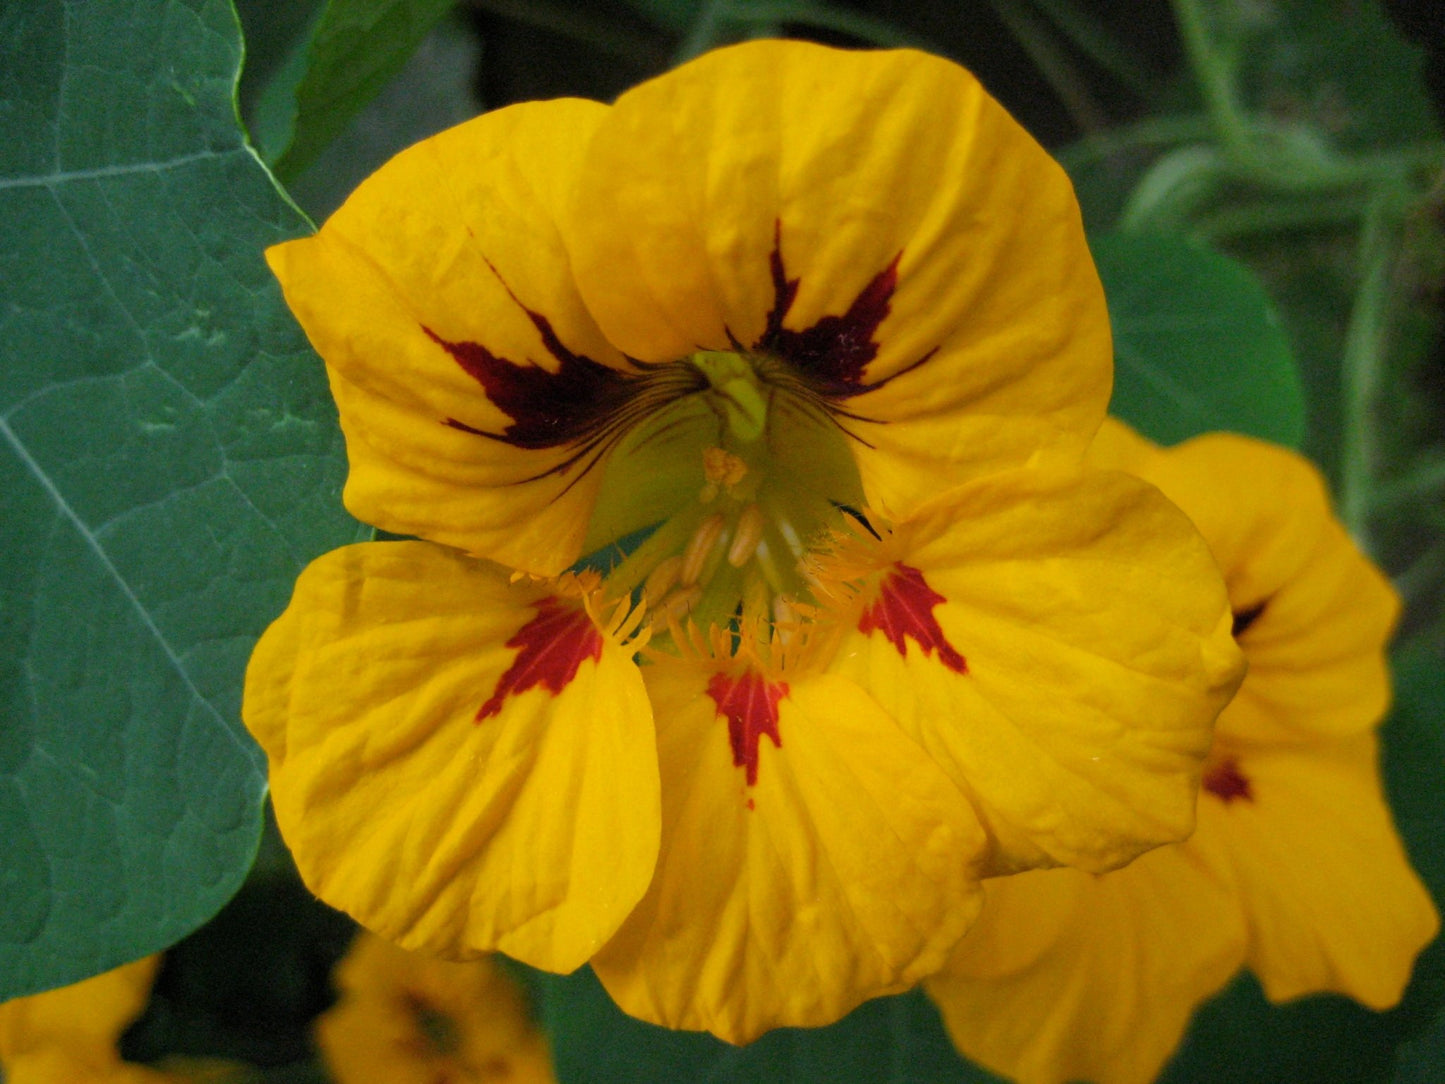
(1263, 183)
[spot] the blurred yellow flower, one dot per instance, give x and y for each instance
(69, 1035)
(1295, 869)
(405, 1018)
(758, 295)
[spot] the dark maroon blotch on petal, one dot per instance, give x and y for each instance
(1225, 781)
(833, 352)
(548, 409)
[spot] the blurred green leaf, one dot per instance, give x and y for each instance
(674, 15)
(1241, 1038)
(1414, 766)
(276, 34)
(355, 49)
(169, 459)
(892, 1040)
(1197, 344)
(432, 91)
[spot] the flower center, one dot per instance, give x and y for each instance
(767, 472)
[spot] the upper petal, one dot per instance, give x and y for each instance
(465, 363)
(812, 856)
(1069, 976)
(874, 219)
(1313, 613)
(460, 763)
(1093, 631)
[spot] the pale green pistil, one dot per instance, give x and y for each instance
(737, 394)
(768, 472)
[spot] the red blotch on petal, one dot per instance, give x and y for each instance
(903, 609)
(750, 702)
(1225, 781)
(553, 645)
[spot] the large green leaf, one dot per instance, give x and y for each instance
(892, 1040)
(1197, 344)
(355, 49)
(169, 459)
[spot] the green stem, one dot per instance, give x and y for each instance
(1425, 480)
(1362, 363)
(1151, 132)
(704, 32)
(1055, 66)
(1215, 75)
(1421, 579)
(575, 22)
(1100, 46)
(823, 17)
(1173, 187)
(1279, 215)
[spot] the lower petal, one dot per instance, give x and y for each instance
(1331, 900)
(1093, 634)
(844, 871)
(1068, 976)
(447, 782)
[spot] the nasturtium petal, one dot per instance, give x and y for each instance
(1326, 888)
(409, 1018)
(1069, 976)
(1096, 635)
(845, 870)
(441, 820)
(783, 197)
(92, 1012)
(440, 297)
(1313, 612)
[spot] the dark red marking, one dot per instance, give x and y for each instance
(904, 608)
(553, 645)
(547, 408)
(1244, 618)
(435, 1032)
(1226, 782)
(832, 353)
(750, 703)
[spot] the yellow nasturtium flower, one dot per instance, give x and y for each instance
(70, 1035)
(405, 1018)
(825, 325)
(1295, 869)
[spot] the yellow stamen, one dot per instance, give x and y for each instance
(662, 578)
(699, 547)
(746, 536)
(785, 620)
(678, 604)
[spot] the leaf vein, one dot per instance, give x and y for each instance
(148, 622)
(59, 177)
